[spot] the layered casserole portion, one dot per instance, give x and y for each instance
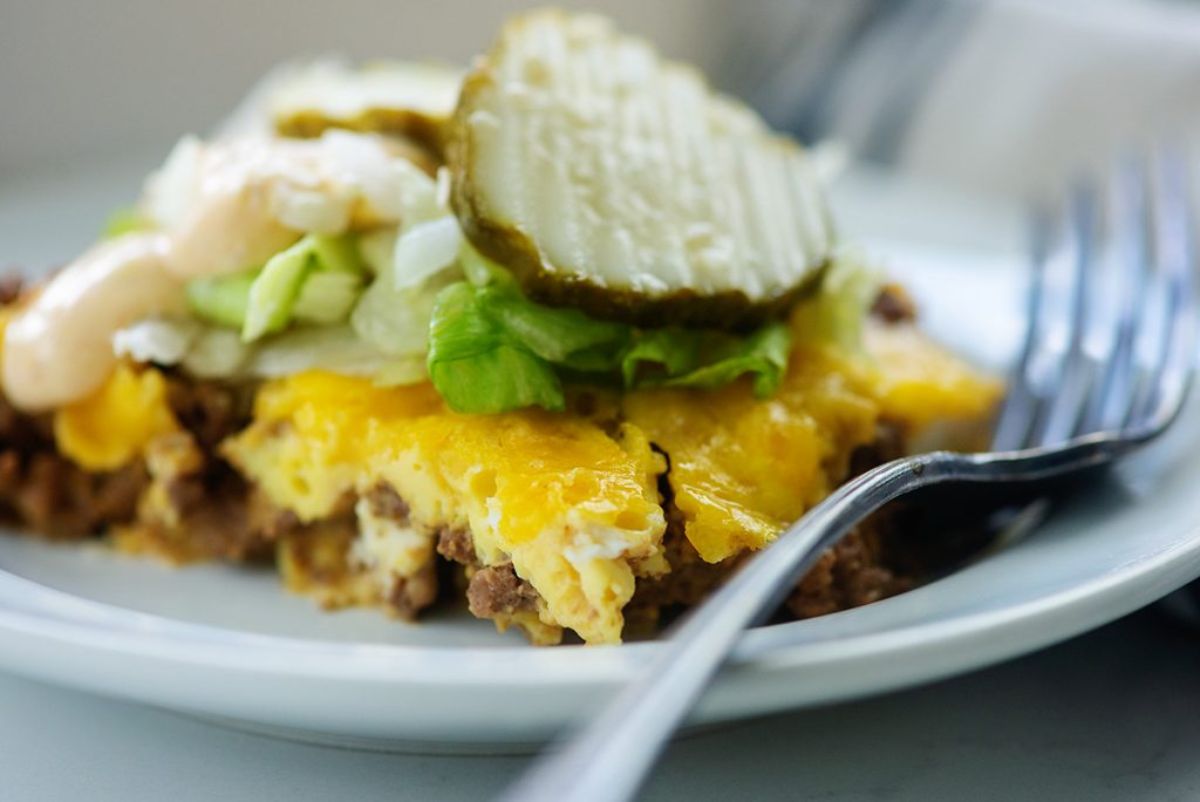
(566, 335)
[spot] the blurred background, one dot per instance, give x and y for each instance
(1007, 96)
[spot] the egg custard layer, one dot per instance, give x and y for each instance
(572, 502)
(574, 508)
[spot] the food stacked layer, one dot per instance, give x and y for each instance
(570, 342)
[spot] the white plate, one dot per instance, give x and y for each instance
(227, 643)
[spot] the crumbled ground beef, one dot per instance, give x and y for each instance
(854, 572)
(850, 574)
(56, 499)
(691, 578)
(199, 508)
(410, 595)
(894, 305)
(212, 512)
(51, 495)
(887, 446)
(456, 545)
(385, 502)
(209, 411)
(10, 288)
(315, 560)
(497, 590)
(318, 560)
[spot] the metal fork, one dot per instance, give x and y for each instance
(1105, 368)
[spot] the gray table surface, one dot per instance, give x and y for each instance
(1113, 715)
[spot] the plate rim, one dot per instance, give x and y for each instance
(780, 647)
(768, 671)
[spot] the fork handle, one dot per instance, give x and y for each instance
(608, 760)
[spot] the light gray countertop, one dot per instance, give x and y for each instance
(1114, 715)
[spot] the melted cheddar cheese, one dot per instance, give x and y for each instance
(572, 502)
(742, 469)
(575, 509)
(114, 425)
(919, 384)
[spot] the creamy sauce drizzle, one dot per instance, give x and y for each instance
(58, 349)
(218, 208)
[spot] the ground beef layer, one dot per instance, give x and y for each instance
(184, 502)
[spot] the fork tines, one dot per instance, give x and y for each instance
(1112, 310)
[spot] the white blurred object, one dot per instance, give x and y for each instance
(1037, 89)
(1008, 96)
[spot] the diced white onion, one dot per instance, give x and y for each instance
(216, 354)
(313, 211)
(378, 250)
(162, 342)
(331, 348)
(425, 249)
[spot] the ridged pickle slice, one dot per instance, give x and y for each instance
(409, 100)
(611, 179)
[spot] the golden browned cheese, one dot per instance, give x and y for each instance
(574, 509)
(112, 426)
(570, 500)
(572, 504)
(743, 469)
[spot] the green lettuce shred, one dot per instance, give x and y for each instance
(479, 367)
(221, 300)
(491, 350)
(487, 348)
(327, 297)
(676, 357)
(276, 293)
(836, 313)
(317, 280)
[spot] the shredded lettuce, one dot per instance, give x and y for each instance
(212, 352)
(217, 354)
(274, 292)
(763, 355)
(277, 290)
(377, 250)
(565, 337)
(463, 322)
(402, 370)
(479, 270)
(477, 366)
(675, 357)
(204, 351)
(221, 300)
(317, 280)
(836, 313)
(327, 297)
(396, 321)
(424, 250)
(659, 353)
(334, 348)
(491, 349)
